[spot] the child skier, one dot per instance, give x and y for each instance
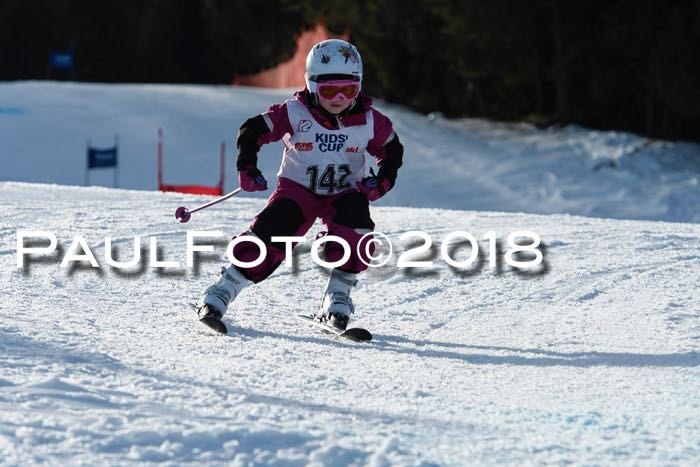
(326, 130)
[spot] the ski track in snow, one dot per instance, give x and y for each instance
(593, 360)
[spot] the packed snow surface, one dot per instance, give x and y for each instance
(592, 357)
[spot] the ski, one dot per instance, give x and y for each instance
(211, 322)
(353, 334)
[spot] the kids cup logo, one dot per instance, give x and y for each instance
(330, 142)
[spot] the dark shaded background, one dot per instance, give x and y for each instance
(624, 65)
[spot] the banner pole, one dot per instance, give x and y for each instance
(116, 161)
(87, 161)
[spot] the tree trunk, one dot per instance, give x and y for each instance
(560, 62)
(537, 66)
(649, 105)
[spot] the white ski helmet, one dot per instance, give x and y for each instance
(334, 57)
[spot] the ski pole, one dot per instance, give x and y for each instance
(183, 214)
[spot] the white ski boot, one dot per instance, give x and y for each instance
(217, 297)
(337, 306)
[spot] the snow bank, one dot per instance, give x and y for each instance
(457, 164)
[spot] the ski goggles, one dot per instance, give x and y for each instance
(329, 90)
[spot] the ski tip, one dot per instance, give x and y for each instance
(211, 322)
(357, 335)
(215, 324)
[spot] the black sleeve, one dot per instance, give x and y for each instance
(247, 141)
(392, 161)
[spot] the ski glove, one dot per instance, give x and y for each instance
(251, 179)
(374, 187)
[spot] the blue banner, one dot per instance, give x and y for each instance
(61, 60)
(98, 158)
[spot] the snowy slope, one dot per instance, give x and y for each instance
(595, 360)
(467, 164)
